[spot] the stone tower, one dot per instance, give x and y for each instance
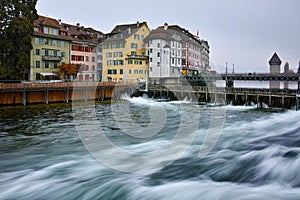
(275, 63)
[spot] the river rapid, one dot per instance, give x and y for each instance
(43, 154)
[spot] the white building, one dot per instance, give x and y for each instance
(164, 47)
(174, 51)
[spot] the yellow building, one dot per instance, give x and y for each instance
(51, 48)
(124, 54)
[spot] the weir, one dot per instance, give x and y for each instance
(273, 98)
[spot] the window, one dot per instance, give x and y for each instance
(136, 71)
(93, 67)
(87, 68)
(130, 71)
(136, 62)
(158, 64)
(46, 41)
(63, 54)
(136, 36)
(140, 71)
(109, 71)
(54, 42)
(38, 76)
(121, 71)
(37, 52)
(158, 54)
(114, 71)
(151, 60)
(37, 64)
(55, 65)
(46, 52)
(105, 46)
(158, 45)
(129, 62)
(55, 31)
(141, 62)
(133, 53)
(151, 50)
(118, 54)
(134, 45)
(46, 30)
(55, 52)
(150, 69)
(143, 37)
(108, 55)
(46, 64)
(87, 59)
(93, 59)
(36, 40)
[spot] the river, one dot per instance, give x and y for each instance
(148, 149)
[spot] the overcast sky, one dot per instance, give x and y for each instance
(245, 33)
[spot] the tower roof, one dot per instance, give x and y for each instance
(275, 60)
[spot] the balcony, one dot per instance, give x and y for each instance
(138, 57)
(52, 58)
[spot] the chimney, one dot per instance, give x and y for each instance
(59, 21)
(78, 24)
(165, 26)
(138, 24)
(129, 30)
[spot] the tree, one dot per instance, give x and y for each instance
(16, 29)
(68, 70)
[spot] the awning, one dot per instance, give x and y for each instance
(48, 74)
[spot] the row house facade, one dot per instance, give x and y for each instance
(56, 43)
(164, 48)
(83, 51)
(174, 52)
(51, 48)
(124, 53)
(205, 54)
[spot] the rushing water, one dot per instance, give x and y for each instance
(256, 155)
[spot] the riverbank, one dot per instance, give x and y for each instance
(45, 93)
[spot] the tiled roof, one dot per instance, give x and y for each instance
(46, 21)
(123, 27)
(275, 60)
(167, 32)
(72, 32)
(122, 32)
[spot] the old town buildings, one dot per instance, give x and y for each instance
(124, 53)
(129, 53)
